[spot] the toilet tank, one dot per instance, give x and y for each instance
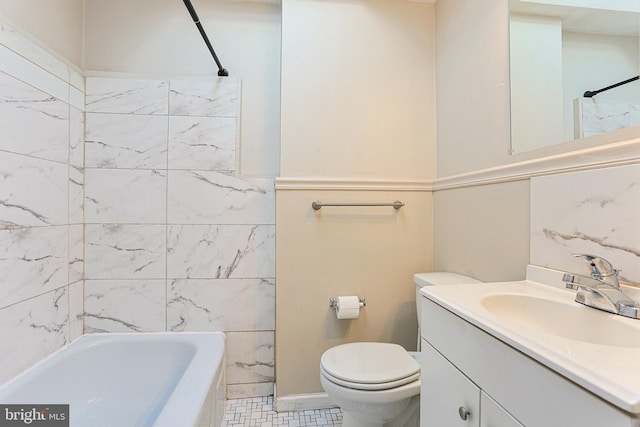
(434, 279)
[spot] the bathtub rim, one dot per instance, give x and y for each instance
(185, 403)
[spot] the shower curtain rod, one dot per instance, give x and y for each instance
(221, 71)
(592, 93)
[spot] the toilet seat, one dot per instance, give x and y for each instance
(369, 386)
(369, 366)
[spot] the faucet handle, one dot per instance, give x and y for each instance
(600, 267)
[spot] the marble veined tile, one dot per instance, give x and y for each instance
(76, 98)
(34, 53)
(32, 122)
(126, 141)
(33, 75)
(76, 137)
(124, 305)
(220, 252)
(32, 261)
(31, 330)
(33, 192)
(76, 195)
(129, 96)
(76, 310)
(76, 80)
(602, 117)
(221, 305)
(250, 357)
(217, 97)
(205, 143)
(76, 253)
(594, 212)
(119, 251)
(204, 197)
(250, 391)
(125, 196)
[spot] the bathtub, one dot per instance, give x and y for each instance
(133, 379)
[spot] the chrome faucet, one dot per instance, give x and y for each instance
(602, 289)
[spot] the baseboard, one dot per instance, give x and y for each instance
(303, 402)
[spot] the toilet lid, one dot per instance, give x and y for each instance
(369, 363)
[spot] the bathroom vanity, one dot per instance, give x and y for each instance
(526, 354)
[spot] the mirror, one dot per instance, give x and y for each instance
(560, 49)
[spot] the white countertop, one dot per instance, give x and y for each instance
(610, 370)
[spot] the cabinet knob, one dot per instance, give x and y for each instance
(464, 413)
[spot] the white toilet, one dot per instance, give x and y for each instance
(378, 384)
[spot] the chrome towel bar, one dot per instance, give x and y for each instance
(317, 204)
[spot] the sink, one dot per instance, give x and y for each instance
(572, 321)
(538, 316)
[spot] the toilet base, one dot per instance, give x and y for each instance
(407, 416)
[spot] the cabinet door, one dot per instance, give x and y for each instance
(447, 397)
(494, 415)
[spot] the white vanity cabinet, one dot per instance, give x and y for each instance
(494, 415)
(449, 398)
(497, 385)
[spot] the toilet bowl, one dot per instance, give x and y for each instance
(378, 384)
(375, 384)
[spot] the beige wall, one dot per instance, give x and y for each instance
(357, 93)
(56, 24)
(357, 105)
(483, 231)
(370, 252)
(159, 37)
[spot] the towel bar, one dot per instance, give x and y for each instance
(317, 204)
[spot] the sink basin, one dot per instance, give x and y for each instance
(572, 321)
(597, 350)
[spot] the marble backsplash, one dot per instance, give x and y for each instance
(595, 212)
(175, 238)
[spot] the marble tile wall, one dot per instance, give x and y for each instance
(41, 197)
(595, 116)
(594, 212)
(175, 238)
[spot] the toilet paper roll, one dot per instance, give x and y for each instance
(348, 307)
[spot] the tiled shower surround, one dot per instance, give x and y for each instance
(41, 191)
(125, 211)
(175, 240)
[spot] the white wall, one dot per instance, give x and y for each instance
(472, 81)
(158, 37)
(536, 81)
(357, 94)
(57, 24)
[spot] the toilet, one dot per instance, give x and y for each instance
(378, 384)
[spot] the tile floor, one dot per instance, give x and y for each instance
(258, 411)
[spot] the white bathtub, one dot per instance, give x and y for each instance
(127, 380)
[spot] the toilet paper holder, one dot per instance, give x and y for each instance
(333, 302)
